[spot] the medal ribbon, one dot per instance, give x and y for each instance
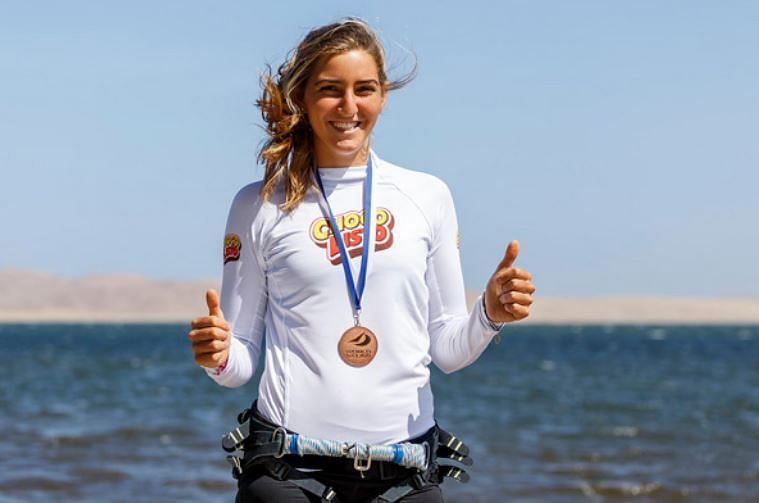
(356, 294)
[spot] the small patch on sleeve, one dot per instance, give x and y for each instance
(458, 239)
(232, 246)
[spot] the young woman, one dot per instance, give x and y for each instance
(349, 267)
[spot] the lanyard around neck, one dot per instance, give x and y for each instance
(356, 293)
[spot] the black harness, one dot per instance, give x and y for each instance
(259, 445)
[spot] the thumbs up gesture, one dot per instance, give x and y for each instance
(210, 335)
(508, 295)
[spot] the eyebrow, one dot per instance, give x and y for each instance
(336, 81)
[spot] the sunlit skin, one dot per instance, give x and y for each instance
(508, 295)
(343, 99)
(343, 89)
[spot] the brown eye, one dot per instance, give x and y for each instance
(366, 90)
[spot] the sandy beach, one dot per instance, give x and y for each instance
(31, 297)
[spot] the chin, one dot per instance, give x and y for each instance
(346, 152)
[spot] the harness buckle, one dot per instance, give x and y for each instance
(283, 431)
(233, 440)
(329, 495)
(359, 463)
(418, 481)
(236, 465)
(278, 469)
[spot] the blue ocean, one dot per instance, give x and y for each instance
(111, 413)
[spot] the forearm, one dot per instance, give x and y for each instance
(240, 366)
(458, 341)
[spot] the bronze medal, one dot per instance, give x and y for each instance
(357, 346)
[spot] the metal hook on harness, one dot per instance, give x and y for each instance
(358, 462)
(283, 431)
(427, 455)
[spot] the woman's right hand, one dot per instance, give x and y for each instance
(210, 335)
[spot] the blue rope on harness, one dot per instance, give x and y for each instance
(294, 443)
(398, 454)
(404, 454)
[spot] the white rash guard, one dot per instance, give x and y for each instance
(283, 280)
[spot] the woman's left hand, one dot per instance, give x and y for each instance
(508, 295)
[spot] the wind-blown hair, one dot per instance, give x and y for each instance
(287, 153)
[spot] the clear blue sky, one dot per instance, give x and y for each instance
(616, 140)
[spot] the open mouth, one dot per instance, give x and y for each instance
(345, 126)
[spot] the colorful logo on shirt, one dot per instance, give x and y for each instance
(232, 246)
(351, 226)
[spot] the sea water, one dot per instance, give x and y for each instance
(94, 413)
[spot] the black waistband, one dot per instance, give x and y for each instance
(379, 470)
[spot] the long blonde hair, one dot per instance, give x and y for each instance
(287, 153)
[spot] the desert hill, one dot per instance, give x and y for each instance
(29, 296)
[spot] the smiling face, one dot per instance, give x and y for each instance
(343, 99)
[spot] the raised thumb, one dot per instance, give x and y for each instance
(212, 299)
(512, 250)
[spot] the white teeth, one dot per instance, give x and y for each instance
(345, 126)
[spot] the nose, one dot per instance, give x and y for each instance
(347, 105)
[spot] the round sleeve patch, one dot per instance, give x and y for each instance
(232, 246)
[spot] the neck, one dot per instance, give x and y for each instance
(329, 160)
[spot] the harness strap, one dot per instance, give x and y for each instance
(394, 494)
(464, 460)
(453, 472)
(450, 442)
(327, 494)
(235, 438)
(451, 447)
(257, 443)
(282, 470)
(401, 489)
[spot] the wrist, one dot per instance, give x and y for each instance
(218, 370)
(494, 325)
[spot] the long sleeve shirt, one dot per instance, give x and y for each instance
(284, 292)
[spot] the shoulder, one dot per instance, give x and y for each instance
(428, 193)
(248, 204)
(248, 194)
(249, 197)
(415, 183)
